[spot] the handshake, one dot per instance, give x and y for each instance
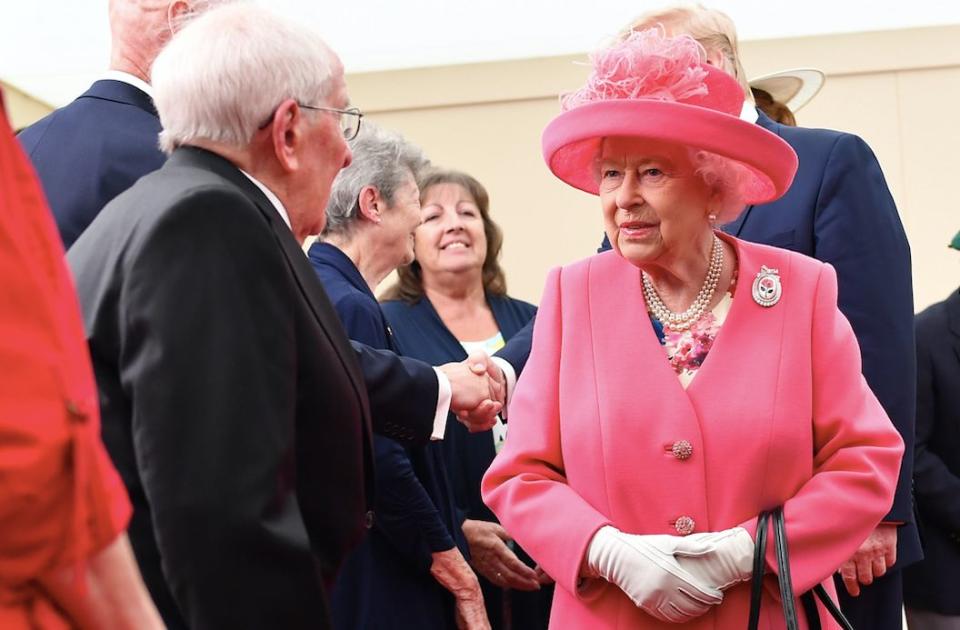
(479, 390)
(673, 578)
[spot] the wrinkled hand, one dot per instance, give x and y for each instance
(720, 559)
(477, 395)
(451, 570)
(491, 557)
(877, 554)
(646, 571)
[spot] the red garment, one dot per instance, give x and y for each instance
(61, 500)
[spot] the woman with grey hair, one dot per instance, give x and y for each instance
(410, 572)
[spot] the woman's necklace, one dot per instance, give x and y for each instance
(683, 321)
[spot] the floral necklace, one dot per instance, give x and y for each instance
(683, 321)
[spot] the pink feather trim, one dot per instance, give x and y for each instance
(647, 64)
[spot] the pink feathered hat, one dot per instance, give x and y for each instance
(661, 88)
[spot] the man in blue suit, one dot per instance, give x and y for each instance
(838, 210)
(93, 149)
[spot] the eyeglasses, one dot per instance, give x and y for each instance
(349, 119)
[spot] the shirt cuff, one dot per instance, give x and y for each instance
(444, 398)
(511, 376)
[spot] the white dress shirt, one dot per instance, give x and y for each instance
(129, 79)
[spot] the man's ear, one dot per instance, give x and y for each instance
(370, 203)
(176, 11)
(286, 135)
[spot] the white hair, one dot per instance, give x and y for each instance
(225, 73)
(382, 159)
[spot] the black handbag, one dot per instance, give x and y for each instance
(783, 575)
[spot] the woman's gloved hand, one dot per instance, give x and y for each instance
(645, 569)
(720, 559)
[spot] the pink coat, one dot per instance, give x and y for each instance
(779, 413)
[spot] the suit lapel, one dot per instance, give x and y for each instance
(303, 273)
(120, 92)
(735, 227)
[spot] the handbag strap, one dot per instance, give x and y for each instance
(759, 565)
(783, 570)
(786, 587)
(830, 605)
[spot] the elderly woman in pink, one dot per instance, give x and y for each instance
(685, 381)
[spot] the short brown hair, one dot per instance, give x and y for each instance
(773, 108)
(409, 287)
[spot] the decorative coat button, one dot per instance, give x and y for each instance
(368, 519)
(685, 525)
(682, 449)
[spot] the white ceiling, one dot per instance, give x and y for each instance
(55, 48)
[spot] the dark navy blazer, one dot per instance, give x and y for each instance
(932, 584)
(839, 210)
(386, 581)
(92, 150)
(422, 334)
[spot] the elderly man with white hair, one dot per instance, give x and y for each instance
(93, 149)
(232, 401)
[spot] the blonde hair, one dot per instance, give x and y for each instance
(713, 29)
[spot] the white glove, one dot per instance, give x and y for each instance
(644, 568)
(720, 559)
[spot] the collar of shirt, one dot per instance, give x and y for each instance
(749, 112)
(272, 197)
(129, 79)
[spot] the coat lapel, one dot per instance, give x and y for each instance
(735, 227)
(300, 267)
(451, 345)
(120, 92)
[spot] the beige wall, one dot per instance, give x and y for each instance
(22, 108)
(892, 88)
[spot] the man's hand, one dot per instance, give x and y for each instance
(453, 573)
(478, 390)
(491, 557)
(877, 554)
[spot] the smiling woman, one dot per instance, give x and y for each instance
(452, 300)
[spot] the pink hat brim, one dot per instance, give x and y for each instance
(572, 141)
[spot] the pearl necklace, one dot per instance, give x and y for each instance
(683, 321)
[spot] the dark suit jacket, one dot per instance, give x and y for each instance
(92, 150)
(421, 333)
(386, 582)
(932, 584)
(839, 210)
(233, 405)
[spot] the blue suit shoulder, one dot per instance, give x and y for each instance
(91, 150)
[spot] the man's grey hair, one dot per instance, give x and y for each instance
(382, 159)
(225, 73)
